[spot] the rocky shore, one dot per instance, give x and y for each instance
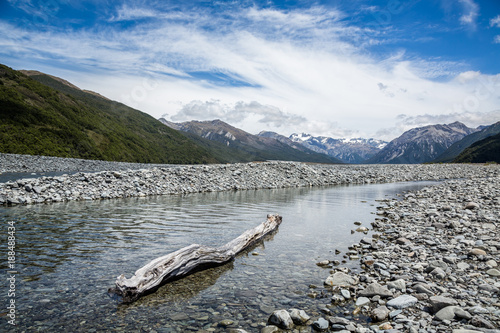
(430, 265)
(16, 163)
(137, 180)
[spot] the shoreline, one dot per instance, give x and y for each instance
(431, 264)
(120, 181)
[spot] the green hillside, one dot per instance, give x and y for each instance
(486, 150)
(455, 149)
(58, 119)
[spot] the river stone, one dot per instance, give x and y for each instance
(226, 322)
(437, 263)
(270, 329)
(321, 324)
(471, 205)
(477, 252)
(299, 317)
(362, 301)
(398, 285)
(345, 293)
(340, 279)
(282, 319)
(479, 321)
(375, 289)
(492, 263)
(493, 272)
(440, 302)
(439, 273)
(338, 321)
(403, 301)
(380, 313)
(463, 330)
(452, 312)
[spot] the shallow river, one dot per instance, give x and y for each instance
(69, 254)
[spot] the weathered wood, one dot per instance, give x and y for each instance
(188, 260)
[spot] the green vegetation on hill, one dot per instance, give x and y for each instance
(486, 150)
(56, 119)
(455, 149)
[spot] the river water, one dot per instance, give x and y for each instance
(69, 254)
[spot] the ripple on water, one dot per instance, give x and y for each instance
(69, 254)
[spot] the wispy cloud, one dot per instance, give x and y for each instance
(470, 13)
(126, 13)
(495, 22)
(257, 68)
(236, 113)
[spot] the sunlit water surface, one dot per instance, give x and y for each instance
(69, 254)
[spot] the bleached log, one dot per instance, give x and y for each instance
(188, 260)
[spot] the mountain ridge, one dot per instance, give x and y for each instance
(243, 145)
(458, 147)
(421, 144)
(46, 115)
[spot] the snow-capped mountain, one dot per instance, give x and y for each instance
(422, 144)
(231, 144)
(355, 150)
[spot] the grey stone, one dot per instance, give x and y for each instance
(439, 302)
(362, 301)
(321, 324)
(493, 272)
(340, 279)
(398, 285)
(281, 318)
(345, 293)
(403, 301)
(380, 313)
(479, 321)
(452, 312)
(299, 317)
(438, 272)
(374, 289)
(269, 329)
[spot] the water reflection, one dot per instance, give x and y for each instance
(69, 254)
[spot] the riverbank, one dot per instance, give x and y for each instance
(138, 180)
(435, 250)
(16, 163)
(431, 265)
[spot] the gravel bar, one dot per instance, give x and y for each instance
(428, 262)
(121, 181)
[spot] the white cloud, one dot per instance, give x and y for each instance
(470, 13)
(301, 74)
(496, 40)
(126, 13)
(495, 22)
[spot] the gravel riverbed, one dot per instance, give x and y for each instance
(428, 263)
(136, 180)
(431, 265)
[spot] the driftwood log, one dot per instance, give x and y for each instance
(188, 260)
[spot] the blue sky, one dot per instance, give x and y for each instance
(334, 68)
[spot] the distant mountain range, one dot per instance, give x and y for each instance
(45, 115)
(422, 144)
(347, 150)
(231, 144)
